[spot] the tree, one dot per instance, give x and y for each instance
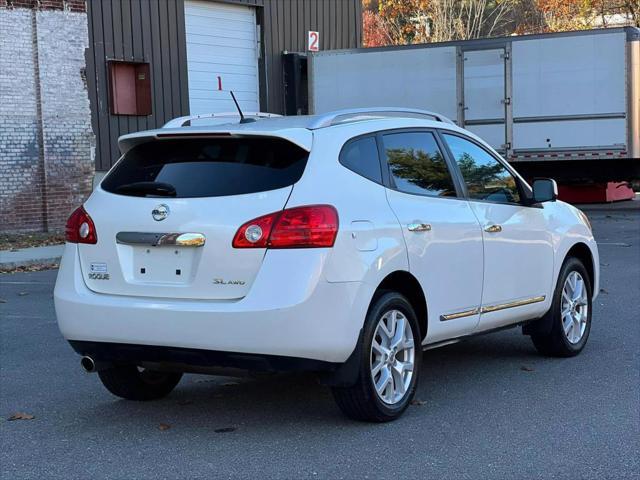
(467, 19)
(420, 21)
(401, 22)
(374, 30)
(611, 12)
(561, 15)
(406, 20)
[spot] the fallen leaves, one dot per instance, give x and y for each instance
(21, 416)
(16, 241)
(36, 267)
(164, 426)
(418, 403)
(524, 368)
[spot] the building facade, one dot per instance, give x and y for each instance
(46, 142)
(195, 51)
(78, 75)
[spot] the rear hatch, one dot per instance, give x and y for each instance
(166, 215)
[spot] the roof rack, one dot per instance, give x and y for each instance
(180, 121)
(358, 114)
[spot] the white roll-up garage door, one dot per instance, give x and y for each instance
(222, 49)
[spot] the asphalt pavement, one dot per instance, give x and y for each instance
(490, 407)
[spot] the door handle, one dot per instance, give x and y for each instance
(419, 227)
(493, 228)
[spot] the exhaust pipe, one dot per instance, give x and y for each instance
(88, 364)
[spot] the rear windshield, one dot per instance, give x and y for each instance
(208, 167)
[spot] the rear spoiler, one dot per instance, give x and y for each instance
(298, 136)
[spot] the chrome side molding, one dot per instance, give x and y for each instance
(492, 308)
(517, 303)
(161, 239)
(465, 313)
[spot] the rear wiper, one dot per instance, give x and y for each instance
(148, 188)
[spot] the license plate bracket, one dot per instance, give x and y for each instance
(162, 265)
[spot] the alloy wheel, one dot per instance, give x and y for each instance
(575, 307)
(392, 357)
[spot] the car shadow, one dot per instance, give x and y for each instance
(280, 400)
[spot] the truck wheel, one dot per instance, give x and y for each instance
(570, 313)
(390, 357)
(131, 383)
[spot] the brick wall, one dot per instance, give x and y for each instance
(71, 5)
(46, 142)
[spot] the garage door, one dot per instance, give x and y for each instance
(222, 48)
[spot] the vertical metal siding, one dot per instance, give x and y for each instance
(135, 30)
(286, 25)
(153, 31)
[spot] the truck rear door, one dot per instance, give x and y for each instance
(485, 97)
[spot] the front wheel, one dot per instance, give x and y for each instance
(570, 313)
(390, 356)
(134, 383)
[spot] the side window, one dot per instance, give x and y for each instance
(416, 164)
(361, 157)
(486, 178)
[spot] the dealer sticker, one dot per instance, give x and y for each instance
(98, 268)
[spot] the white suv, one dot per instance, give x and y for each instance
(344, 243)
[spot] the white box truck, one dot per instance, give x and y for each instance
(565, 105)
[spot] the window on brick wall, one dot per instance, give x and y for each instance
(130, 92)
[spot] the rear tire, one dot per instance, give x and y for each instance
(570, 313)
(390, 356)
(130, 383)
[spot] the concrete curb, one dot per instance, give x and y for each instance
(624, 206)
(633, 204)
(30, 256)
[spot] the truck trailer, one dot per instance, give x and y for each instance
(564, 105)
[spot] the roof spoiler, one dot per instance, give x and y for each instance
(298, 136)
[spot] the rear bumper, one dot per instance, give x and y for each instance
(196, 360)
(297, 315)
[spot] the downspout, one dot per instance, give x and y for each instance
(42, 167)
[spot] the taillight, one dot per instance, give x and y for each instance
(80, 228)
(312, 226)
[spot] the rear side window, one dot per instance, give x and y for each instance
(207, 167)
(361, 156)
(417, 165)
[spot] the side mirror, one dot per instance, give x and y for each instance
(545, 190)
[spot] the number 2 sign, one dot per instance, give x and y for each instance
(314, 41)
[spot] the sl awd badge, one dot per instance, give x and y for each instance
(160, 212)
(222, 281)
